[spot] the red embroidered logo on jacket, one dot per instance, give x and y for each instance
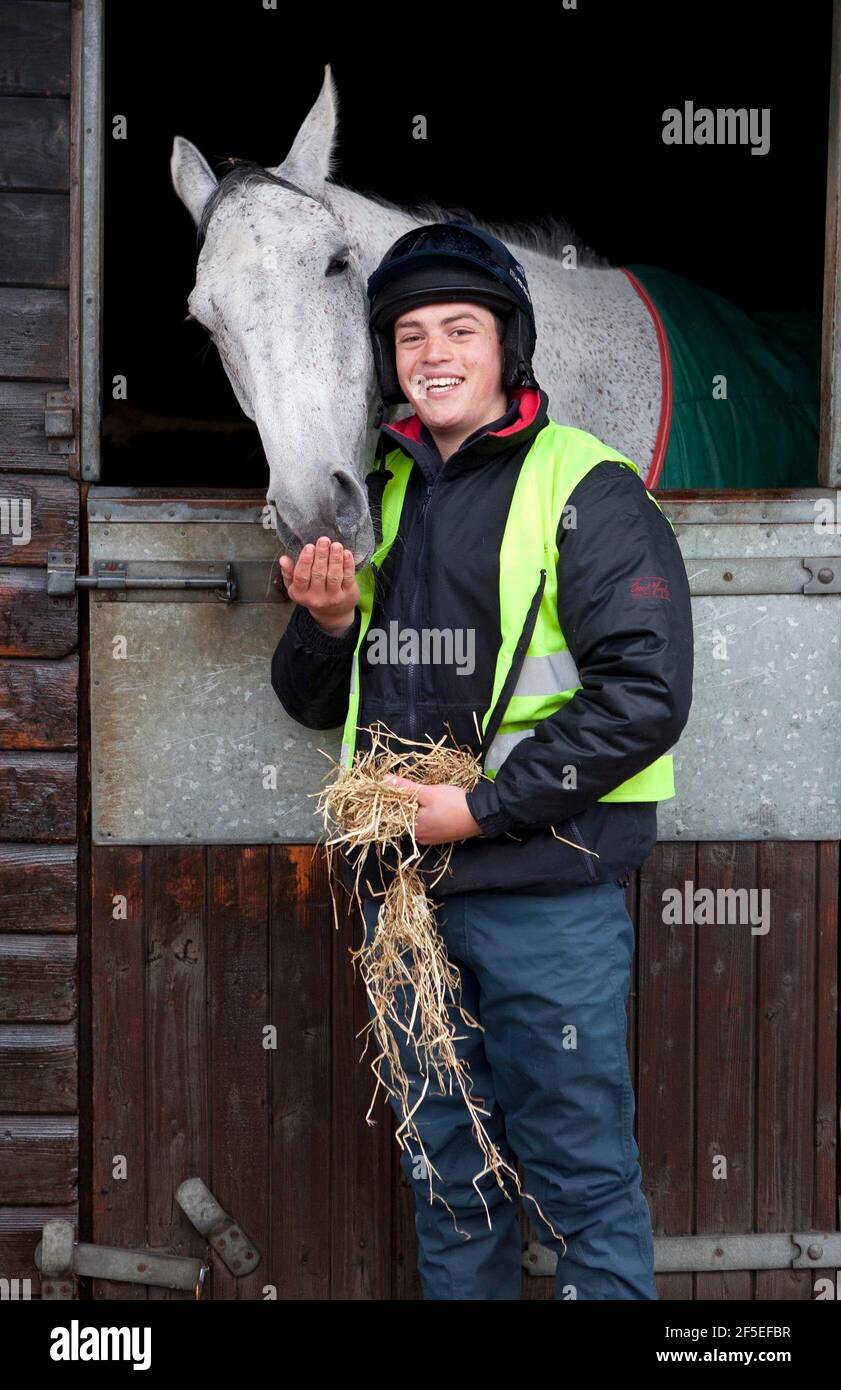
(649, 586)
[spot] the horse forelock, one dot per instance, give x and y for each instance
(244, 172)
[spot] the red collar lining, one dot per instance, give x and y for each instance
(527, 396)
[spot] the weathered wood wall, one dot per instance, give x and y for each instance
(39, 658)
(732, 1044)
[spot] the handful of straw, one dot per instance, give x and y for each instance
(406, 949)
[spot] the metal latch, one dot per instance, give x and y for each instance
(118, 581)
(224, 1234)
(731, 1250)
(61, 1261)
(59, 422)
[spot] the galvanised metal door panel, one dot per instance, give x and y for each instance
(760, 757)
(190, 744)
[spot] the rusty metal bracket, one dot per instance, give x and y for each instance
(60, 422)
(225, 1235)
(61, 578)
(60, 1260)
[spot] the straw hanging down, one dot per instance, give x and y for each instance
(406, 949)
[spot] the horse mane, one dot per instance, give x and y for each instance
(548, 236)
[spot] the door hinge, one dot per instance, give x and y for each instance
(759, 575)
(730, 1250)
(824, 576)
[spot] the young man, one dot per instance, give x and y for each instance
(560, 583)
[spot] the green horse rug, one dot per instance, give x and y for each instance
(740, 394)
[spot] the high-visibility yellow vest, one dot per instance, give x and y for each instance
(560, 456)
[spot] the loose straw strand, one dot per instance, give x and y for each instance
(360, 810)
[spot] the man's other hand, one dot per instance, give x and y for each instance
(442, 814)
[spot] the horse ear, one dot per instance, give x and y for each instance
(192, 176)
(311, 159)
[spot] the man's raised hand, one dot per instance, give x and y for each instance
(324, 582)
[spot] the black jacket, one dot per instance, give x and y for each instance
(624, 607)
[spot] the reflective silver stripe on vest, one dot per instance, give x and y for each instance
(547, 675)
(345, 749)
(501, 747)
(539, 675)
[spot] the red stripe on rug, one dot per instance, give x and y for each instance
(661, 443)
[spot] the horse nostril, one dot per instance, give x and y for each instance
(345, 494)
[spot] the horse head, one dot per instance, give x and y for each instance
(280, 289)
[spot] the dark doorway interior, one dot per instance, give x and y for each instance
(560, 117)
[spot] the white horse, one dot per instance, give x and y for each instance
(280, 288)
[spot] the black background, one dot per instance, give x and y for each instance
(528, 115)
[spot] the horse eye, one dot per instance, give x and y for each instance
(337, 264)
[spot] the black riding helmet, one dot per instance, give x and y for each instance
(443, 262)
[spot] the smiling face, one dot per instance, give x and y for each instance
(449, 363)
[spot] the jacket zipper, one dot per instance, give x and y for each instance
(576, 835)
(411, 674)
(375, 570)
